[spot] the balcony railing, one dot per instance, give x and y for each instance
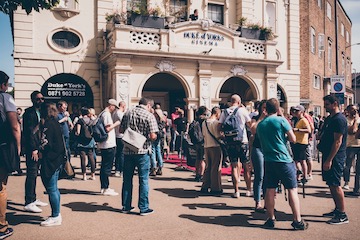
(191, 38)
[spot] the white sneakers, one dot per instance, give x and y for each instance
(346, 187)
(117, 174)
(33, 207)
(236, 195)
(108, 192)
(52, 221)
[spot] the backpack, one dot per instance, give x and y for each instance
(86, 131)
(231, 127)
(195, 133)
(98, 130)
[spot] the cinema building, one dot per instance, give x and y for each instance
(78, 53)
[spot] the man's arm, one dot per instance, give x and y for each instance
(334, 149)
(291, 136)
(15, 127)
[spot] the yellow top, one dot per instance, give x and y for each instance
(302, 137)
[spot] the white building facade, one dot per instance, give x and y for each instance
(73, 53)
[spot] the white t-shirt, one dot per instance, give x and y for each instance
(7, 104)
(243, 116)
(111, 140)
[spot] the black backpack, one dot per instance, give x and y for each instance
(98, 130)
(231, 127)
(195, 132)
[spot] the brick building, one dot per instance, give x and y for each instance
(326, 36)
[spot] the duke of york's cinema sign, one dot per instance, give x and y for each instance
(205, 39)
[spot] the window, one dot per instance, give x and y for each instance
(131, 4)
(317, 111)
(343, 64)
(328, 10)
(312, 40)
(347, 36)
(319, 3)
(71, 4)
(342, 29)
(321, 44)
(65, 39)
(348, 71)
(216, 13)
(329, 54)
(179, 6)
(270, 16)
(317, 82)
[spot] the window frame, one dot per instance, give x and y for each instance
(60, 49)
(316, 82)
(317, 110)
(328, 10)
(329, 54)
(220, 6)
(312, 40)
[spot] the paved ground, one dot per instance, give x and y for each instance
(180, 212)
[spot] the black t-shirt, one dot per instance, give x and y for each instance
(256, 142)
(335, 124)
(180, 123)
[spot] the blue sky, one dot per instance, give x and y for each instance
(352, 7)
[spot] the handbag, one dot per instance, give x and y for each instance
(66, 169)
(133, 139)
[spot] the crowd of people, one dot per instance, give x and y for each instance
(275, 147)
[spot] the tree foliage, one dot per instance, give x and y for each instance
(7, 6)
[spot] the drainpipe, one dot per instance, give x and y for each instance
(336, 39)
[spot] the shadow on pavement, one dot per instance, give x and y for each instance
(168, 179)
(89, 207)
(180, 192)
(15, 219)
(215, 206)
(77, 191)
(320, 194)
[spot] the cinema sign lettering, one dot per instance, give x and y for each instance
(204, 39)
(66, 90)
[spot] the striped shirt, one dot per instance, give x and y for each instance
(141, 120)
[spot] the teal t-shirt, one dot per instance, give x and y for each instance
(271, 132)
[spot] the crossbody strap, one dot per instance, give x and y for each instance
(207, 127)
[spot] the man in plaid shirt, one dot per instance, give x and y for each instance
(146, 125)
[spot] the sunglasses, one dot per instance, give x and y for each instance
(38, 99)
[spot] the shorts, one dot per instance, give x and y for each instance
(200, 152)
(299, 151)
(309, 151)
(279, 171)
(333, 176)
(238, 151)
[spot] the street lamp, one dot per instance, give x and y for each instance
(352, 45)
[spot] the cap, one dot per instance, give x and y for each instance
(299, 108)
(113, 102)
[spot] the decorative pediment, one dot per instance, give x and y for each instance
(165, 66)
(66, 12)
(206, 24)
(238, 70)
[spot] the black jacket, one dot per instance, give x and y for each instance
(52, 147)
(31, 139)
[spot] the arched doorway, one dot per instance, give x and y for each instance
(70, 88)
(166, 90)
(237, 85)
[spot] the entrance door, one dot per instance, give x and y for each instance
(236, 85)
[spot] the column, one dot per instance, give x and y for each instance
(205, 74)
(271, 83)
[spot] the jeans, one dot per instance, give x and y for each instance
(119, 157)
(156, 154)
(357, 177)
(32, 168)
(142, 162)
(67, 145)
(51, 186)
(107, 159)
(3, 199)
(258, 164)
(350, 155)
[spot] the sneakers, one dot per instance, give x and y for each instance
(302, 225)
(309, 177)
(109, 192)
(346, 187)
(117, 174)
(40, 203)
(7, 233)
(126, 211)
(248, 193)
(339, 218)
(152, 172)
(31, 207)
(235, 195)
(331, 214)
(270, 223)
(147, 212)
(52, 221)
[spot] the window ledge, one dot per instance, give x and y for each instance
(66, 12)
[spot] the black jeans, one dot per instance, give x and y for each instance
(32, 168)
(107, 159)
(119, 157)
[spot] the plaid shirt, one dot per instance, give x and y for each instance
(145, 124)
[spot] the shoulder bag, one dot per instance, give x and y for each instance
(133, 139)
(66, 169)
(220, 142)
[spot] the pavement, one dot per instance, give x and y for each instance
(181, 211)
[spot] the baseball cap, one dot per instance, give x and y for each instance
(299, 108)
(113, 102)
